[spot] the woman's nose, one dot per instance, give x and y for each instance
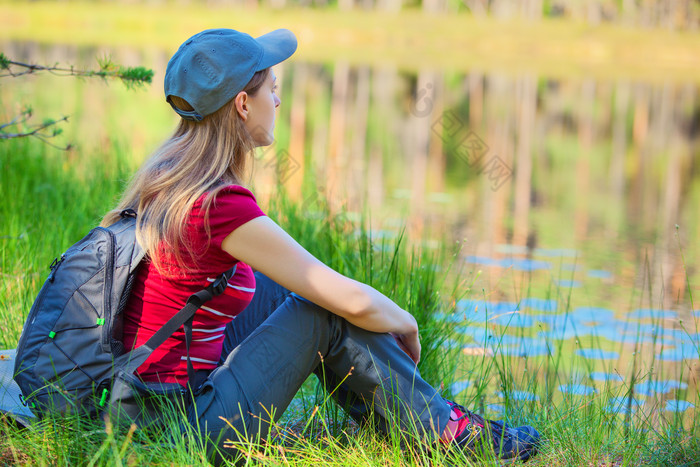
(277, 101)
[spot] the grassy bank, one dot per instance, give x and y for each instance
(409, 40)
(51, 199)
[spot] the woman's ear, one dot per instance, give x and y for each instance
(241, 102)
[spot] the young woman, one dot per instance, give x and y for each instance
(257, 343)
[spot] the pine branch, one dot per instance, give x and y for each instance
(130, 76)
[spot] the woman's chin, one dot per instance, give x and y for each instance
(264, 143)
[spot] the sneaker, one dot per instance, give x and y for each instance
(475, 435)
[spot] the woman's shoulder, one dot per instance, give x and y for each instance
(235, 197)
(225, 196)
(232, 206)
(233, 190)
(230, 203)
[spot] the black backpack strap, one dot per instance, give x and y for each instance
(184, 318)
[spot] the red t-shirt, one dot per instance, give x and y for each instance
(155, 298)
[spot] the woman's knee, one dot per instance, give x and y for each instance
(302, 307)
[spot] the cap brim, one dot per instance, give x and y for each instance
(278, 46)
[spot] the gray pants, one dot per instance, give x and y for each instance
(277, 342)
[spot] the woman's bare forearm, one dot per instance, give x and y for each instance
(379, 313)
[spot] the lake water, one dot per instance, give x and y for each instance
(575, 202)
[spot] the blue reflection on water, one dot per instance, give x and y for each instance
(500, 307)
(621, 404)
(497, 408)
(632, 338)
(577, 389)
(452, 317)
(515, 320)
(559, 333)
(608, 333)
(681, 335)
(599, 274)
(484, 337)
(510, 340)
(506, 344)
(519, 395)
(597, 354)
(551, 320)
(650, 388)
(479, 334)
(459, 386)
(561, 252)
(664, 339)
(483, 260)
(518, 264)
(564, 329)
(450, 344)
(539, 304)
(593, 314)
(528, 349)
(614, 334)
(529, 264)
(644, 313)
(650, 329)
(655, 333)
(568, 284)
(602, 376)
(673, 405)
(469, 310)
(687, 351)
(481, 307)
(475, 316)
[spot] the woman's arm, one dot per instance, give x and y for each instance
(265, 246)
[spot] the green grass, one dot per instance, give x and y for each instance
(51, 198)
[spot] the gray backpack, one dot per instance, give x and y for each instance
(70, 356)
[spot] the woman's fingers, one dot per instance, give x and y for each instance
(402, 346)
(413, 345)
(409, 344)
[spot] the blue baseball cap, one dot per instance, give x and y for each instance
(211, 67)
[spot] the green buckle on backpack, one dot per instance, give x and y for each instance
(100, 321)
(103, 398)
(52, 335)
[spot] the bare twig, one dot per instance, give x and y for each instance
(34, 131)
(14, 121)
(129, 75)
(37, 131)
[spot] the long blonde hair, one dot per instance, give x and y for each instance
(200, 157)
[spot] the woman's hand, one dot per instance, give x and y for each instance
(409, 343)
